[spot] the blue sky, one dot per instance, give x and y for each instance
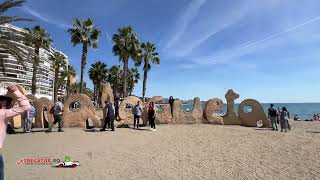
(267, 50)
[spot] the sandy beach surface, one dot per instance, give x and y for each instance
(196, 151)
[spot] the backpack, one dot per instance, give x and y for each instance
(273, 112)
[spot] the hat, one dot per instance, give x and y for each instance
(3, 93)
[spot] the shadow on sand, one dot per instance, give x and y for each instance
(316, 132)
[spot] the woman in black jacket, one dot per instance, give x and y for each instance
(152, 116)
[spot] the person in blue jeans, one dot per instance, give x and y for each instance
(31, 113)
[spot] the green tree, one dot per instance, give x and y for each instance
(10, 40)
(58, 64)
(40, 38)
(126, 45)
(114, 78)
(98, 73)
(133, 78)
(84, 32)
(148, 56)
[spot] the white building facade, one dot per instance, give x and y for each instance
(15, 73)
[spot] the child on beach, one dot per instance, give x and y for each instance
(7, 112)
(31, 113)
(152, 116)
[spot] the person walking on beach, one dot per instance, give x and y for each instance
(57, 111)
(110, 116)
(28, 117)
(171, 100)
(7, 112)
(273, 115)
(152, 116)
(137, 111)
(284, 116)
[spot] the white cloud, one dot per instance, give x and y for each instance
(45, 18)
(184, 20)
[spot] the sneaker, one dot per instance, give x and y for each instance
(154, 129)
(48, 131)
(60, 130)
(102, 130)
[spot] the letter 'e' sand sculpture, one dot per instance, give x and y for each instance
(251, 118)
(193, 117)
(231, 117)
(212, 105)
(77, 118)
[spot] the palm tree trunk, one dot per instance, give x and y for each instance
(35, 70)
(145, 76)
(98, 95)
(55, 90)
(94, 92)
(125, 74)
(83, 64)
(68, 86)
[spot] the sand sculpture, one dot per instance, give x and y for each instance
(39, 105)
(212, 105)
(106, 94)
(125, 114)
(231, 117)
(77, 118)
(251, 118)
(163, 115)
(181, 117)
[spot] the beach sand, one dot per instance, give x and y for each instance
(197, 151)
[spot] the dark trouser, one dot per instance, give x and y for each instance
(1, 168)
(116, 112)
(152, 123)
(57, 119)
(109, 122)
(273, 120)
(136, 119)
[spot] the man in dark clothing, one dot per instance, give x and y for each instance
(116, 106)
(273, 115)
(171, 100)
(110, 115)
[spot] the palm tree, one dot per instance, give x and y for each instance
(10, 40)
(114, 78)
(133, 79)
(126, 45)
(98, 73)
(40, 38)
(58, 63)
(148, 55)
(85, 33)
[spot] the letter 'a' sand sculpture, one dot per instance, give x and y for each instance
(163, 116)
(212, 105)
(193, 117)
(231, 117)
(106, 94)
(125, 114)
(78, 118)
(250, 119)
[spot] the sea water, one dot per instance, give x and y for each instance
(303, 110)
